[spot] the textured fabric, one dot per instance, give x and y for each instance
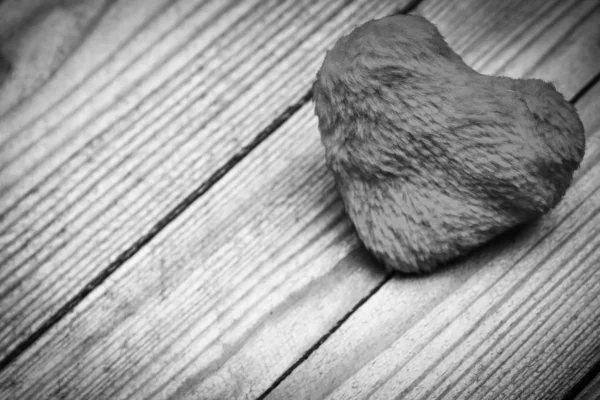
(432, 158)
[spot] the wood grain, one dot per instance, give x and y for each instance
(233, 261)
(37, 37)
(554, 40)
(591, 391)
(157, 99)
(230, 294)
(516, 320)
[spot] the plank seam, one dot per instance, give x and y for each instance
(39, 231)
(159, 226)
(82, 104)
(561, 42)
(409, 8)
(573, 100)
(519, 320)
(586, 88)
(578, 387)
(326, 336)
(162, 223)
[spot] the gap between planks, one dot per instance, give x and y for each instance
(594, 371)
(169, 217)
(588, 387)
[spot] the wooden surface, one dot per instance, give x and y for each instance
(147, 111)
(591, 391)
(169, 228)
(490, 317)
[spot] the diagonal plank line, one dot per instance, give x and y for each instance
(409, 8)
(594, 370)
(326, 336)
(5, 66)
(173, 214)
(583, 382)
(86, 79)
(578, 95)
(586, 88)
(578, 387)
(386, 278)
(520, 319)
(439, 331)
(551, 51)
(91, 120)
(91, 188)
(575, 98)
(159, 389)
(587, 325)
(159, 226)
(72, 260)
(498, 49)
(162, 223)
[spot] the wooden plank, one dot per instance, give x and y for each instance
(231, 293)
(241, 265)
(156, 99)
(554, 40)
(37, 36)
(591, 391)
(518, 319)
